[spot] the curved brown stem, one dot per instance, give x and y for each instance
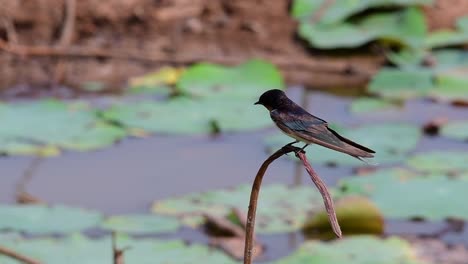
(15, 255)
(249, 229)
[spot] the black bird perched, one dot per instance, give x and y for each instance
(299, 124)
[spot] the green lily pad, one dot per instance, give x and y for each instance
(399, 84)
(280, 209)
(354, 250)
(158, 82)
(450, 87)
(45, 126)
(141, 224)
(40, 219)
(370, 105)
(401, 194)
(78, 249)
(446, 37)
(340, 10)
(246, 81)
(456, 130)
(379, 137)
(405, 28)
(440, 161)
(356, 215)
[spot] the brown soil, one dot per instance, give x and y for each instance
(71, 42)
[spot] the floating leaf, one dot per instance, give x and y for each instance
(449, 87)
(379, 137)
(440, 161)
(156, 82)
(405, 28)
(78, 249)
(356, 215)
(280, 209)
(340, 10)
(446, 37)
(370, 105)
(141, 223)
(398, 84)
(246, 81)
(402, 194)
(354, 250)
(456, 130)
(40, 127)
(41, 219)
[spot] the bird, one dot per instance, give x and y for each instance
(304, 127)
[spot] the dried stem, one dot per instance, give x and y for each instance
(249, 230)
(327, 200)
(12, 254)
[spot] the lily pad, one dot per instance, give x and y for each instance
(158, 82)
(401, 194)
(405, 28)
(446, 37)
(356, 215)
(379, 137)
(401, 84)
(456, 130)
(354, 250)
(440, 161)
(78, 249)
(41, 219)
(370, 105)
(246, 81)
(45, 126)
(280, 209)
(341, 10)
(141, 224)
(449, 87)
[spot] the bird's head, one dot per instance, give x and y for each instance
(272, 99)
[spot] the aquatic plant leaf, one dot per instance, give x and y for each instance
(141, 224)
(370, 105)
(42, 219)
(456, 130)
(354, 250)
(401, 194)
(399, 84)
(158, 82)
(78, 249)
(246, 81)
(440, 161)
(450, 86)
(378, 137)
(280, 209)
(41, 127)
(447, 37)
(338, 11)
(404, 28)
(356, 215)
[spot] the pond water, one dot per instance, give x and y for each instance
(129, 176)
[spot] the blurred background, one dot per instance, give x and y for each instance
(136, 118)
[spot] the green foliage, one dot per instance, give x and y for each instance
(446, 37)
(440, 161)
(354, 250)
(401, 194)
(379, 137)
(42, 127)
(280, 209)
(456, 130)
(405, 28)
(78, 249)
(370, 105)
(41, 219)
(399, 84)
(141, 223)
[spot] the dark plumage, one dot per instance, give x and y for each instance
(297, 123)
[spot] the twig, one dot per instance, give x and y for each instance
(22, 196)
(12, 254)
(118, 254)
(249, 230)
(327, 200)
(69, 24)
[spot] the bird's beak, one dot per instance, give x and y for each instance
(257, 103)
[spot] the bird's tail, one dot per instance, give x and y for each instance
(354, 149)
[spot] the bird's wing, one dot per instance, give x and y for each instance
(312, 129)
